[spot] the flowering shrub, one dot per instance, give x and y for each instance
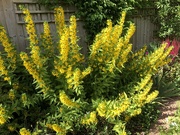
(52, 88)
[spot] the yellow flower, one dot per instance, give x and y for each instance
(8, 47)
(64, 45)
(152, 96)
(101, 109)
(143, 82)
(2, 120)
(24, 131)
(47, 40)
(86, 72)
(3, 70)
(11, 94)
(58, 129)
(92, 119)
(30, 28)
(2, 111)
(59, 19)
(72, 30)
(11, 128)
(36, 58)
(66, 101)
(129, 33)
(49, 126)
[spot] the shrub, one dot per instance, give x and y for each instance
(52, 88)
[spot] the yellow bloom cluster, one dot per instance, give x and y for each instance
(24, 131)
(66, 101)
(152, 96)
(91, 119)
(33, 71)
(110, 50)
(72, 30)
(110, 109)
(3, 70)
(11, 52)
(47, 39)
(36, 58)
(64, 46)
(11, 94)
(30, 27)
(11, 128)
(75, 54)
(59, 19)
(143, 82)
(124, 55)
(2, 113)
(129, 34)
(58, 129)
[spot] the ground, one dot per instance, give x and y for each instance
(167, 110)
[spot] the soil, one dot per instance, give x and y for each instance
(168, 109)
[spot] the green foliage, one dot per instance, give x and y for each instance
(168, 18)
(144, 121)
(53, 89)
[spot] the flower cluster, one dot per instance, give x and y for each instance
(66, 101)
(110, 50)
(2, 114)
(92, 119)
(59, 19)
(30, 27)
(9, 49)
(3, 70)
(24, 131)
(110, 109)
(58, 129)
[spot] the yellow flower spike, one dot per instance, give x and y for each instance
(72, 30)
(129, 33)
(91, 120)
(48, 44)
(11, 95)
(64, 45)
(152, 96)
(86, 72)
(76, 77)
(66, 101)
(30, 27)
(2, 120)
(59, 19)
(24, 131)
(2, 110)
(101, 109)
(58, 129)
(117, 30)
(143, 82)
(35, 55)
(3, 70)
(118, 48)
(123, 56)
(8, 47)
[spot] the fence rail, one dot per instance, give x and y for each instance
(11, 17)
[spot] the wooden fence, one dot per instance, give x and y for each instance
(11, 18)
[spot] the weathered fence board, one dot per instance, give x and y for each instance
(11, 17)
